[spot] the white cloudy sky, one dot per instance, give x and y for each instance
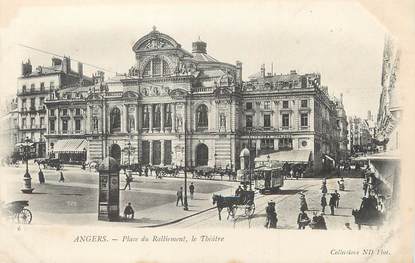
(339, 39)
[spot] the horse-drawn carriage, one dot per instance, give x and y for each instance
(50, 163)
(368, 214)
(244, 201)
(17, 212)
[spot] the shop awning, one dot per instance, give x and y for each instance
(70, 146)
(293, 156)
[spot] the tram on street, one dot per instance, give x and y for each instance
(268, 179)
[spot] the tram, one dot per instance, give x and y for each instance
(268, 179)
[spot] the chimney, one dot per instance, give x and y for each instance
(66, 65)
(239, 71)
(263, 70)
(80, 70)
(199, 47)
(56, 62)
(26, 68)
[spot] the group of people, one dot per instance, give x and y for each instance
(41, 176)
(334, 197)
(179, 193)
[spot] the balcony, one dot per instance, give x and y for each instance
(32, 92)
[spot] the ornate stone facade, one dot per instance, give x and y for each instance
(171, 95)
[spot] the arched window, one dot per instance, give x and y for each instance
(115, 120)
(146, 117)
(156, 67)
(202, 116)
(167, 115)
(157, 116)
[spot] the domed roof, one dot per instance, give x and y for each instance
(109, 164)
(245, 153)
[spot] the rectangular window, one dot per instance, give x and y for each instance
(32, 87)
(304, 119)
(42, 86)
(32, 122)
(77, 112)
(64, 112)
(267, 144)
(32, 103)
(42, 121)
(285, 144)
(267, 105)
(267, 120)
(146, 116)
(24, 89)
(248, 121)
(249, 105)
(285, 120)
(41, 102)
(95, 123)
(304, 103)
(52, 85)
(52, 112)
(167, 117)
(77, 125)
(24, 123)
(285, 104)
(65, 126)
(24, 103)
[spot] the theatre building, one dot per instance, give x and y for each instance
(173, 101)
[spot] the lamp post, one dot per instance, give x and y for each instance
(25, 150)
(185, 166)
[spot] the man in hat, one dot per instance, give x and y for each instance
(332, 204)
(271, 215)
(302, 220)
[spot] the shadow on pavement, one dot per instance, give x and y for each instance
(143, 220)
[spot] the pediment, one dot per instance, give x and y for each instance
(154, 41)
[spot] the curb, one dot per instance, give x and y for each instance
(178, 220)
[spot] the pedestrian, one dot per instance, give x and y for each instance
(61, 178)
(191, 190)
(302, 220)
(365, 186)
(129, 211)
(179, 196)
(332, 204)
(271, 221)
(140, 171)
(146, 171)
(128, 180)
(151, 170)
(337, 195)
(303, 203)
(323, 203)
(41, 177)
(324, 187)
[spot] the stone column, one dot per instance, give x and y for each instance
(161, 152)
(150, 126)
(162, 117)
(150, 154)
(173, 117)
(88, 120)
(123, 118)
(140, 120)
(137, 112)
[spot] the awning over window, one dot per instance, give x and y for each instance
(293, 156)
(70, 146)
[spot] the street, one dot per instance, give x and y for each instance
(74, 201)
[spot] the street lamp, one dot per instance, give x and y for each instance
(185, 166)
(25, 149)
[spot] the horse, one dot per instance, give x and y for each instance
(222, 202)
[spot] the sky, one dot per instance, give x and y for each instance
(338, 39)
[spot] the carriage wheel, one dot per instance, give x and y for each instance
(24, 217)
(250, 209)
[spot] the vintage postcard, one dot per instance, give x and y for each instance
(208, 131)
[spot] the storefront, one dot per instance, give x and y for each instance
(71, 150)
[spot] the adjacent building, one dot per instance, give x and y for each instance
(174, 104)
(33, 87)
